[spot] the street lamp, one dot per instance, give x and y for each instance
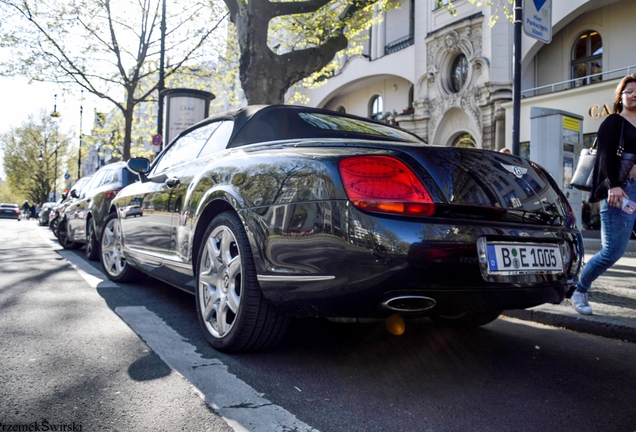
(79, 156)
(55, 115)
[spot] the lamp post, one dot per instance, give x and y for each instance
(55, 115)
(161, 86)
(79, 155)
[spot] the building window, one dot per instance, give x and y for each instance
(465, 140)
(587, 58)
(341, 110)
(458, 73)
(439, 3)
(376, 107)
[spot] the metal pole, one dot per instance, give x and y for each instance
(55, 115)
(55, 178)
(79, 155)
(516, 90)
(162, 76)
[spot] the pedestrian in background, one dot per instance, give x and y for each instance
(609, 188)
(26, 209)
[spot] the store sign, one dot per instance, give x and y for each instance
(597, 111)
(537, 19)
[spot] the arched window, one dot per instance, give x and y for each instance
(458, 73)
(587, 58)
(341, 109)
(376, 107)
(464, 140)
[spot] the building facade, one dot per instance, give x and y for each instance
(449, 78)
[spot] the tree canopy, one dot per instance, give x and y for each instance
(33, 154)
(110, 48)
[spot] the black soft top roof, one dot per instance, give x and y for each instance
(262, 123)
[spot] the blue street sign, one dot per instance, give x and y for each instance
(537, 19)
(67, 176)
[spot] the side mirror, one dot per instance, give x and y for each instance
(139, 165)
(74, 193)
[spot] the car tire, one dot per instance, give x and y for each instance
(113, 262)
(232, 311)
(62, 237)
(92, 245)
(467, 320)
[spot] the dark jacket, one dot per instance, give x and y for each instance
(608, 162)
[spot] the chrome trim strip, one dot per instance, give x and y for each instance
(158, 258)
(293, 278)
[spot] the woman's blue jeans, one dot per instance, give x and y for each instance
(616, 229)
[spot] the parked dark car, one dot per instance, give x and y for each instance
(272, 212)
(45, 211)
(57, 213)
(9, 211)
(84, 218)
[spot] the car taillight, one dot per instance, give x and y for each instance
(111, 194)
(384, 184)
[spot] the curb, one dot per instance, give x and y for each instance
(580, 324)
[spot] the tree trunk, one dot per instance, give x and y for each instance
(265, 75)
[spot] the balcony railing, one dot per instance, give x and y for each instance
(578, 82)
(399, 44)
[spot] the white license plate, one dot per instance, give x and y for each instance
(524, 258)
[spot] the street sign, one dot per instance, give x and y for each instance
(537, 19)
(67, 176)
(156, 139)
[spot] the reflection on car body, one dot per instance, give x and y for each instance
(272, 212)
(132, 210)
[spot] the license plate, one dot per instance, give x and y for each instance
(524, 258)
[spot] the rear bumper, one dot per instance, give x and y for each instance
(350, 263)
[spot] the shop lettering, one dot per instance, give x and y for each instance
(597, 111)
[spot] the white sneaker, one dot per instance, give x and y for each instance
(580, 303)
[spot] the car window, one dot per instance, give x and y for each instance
(108, 177)
(219, 139)
(185, 148)
(94, 182)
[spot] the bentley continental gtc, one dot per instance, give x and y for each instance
(268, 213)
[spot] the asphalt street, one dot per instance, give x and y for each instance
(81, 350)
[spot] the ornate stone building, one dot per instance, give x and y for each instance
(449, 78)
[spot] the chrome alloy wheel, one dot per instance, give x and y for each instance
(220, 281)
(112, 258)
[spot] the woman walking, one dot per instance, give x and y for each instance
(611, 186)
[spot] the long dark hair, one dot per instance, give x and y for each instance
(618, 102)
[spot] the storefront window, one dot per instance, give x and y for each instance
(465, 140)
(587, 59)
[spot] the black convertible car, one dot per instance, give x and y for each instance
(273, 212)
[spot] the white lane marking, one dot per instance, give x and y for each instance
(239, 404)
(94, 277)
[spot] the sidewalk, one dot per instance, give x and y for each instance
(612, 297)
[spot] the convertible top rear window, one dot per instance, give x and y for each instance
(345, 124)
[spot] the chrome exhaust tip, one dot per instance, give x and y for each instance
(409, 304)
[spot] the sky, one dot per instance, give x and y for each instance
(22, 99)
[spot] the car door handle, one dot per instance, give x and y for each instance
(172, 182)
